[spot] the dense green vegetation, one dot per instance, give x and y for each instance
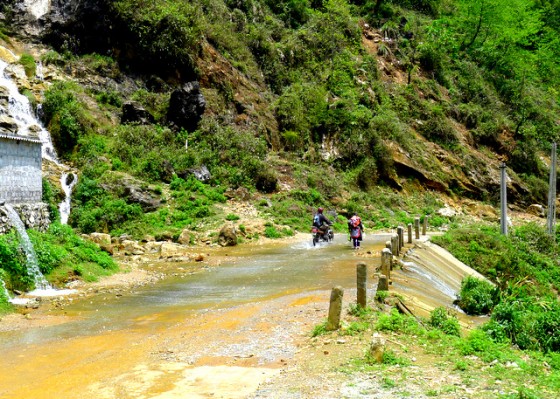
(62, 255)
(490, 66)
(524, 305)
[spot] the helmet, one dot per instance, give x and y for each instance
(320, 210)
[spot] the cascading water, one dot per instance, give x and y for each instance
(20, 110)
(37, 8)
(32, 263)
(5, 290)
(68, 181)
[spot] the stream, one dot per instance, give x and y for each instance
(246, 311)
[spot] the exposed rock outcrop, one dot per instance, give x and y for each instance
(186, 106)
(133, 112)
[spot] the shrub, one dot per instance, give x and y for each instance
(29, 64)
(232, 217)
(477, 296)
(65, 116)
(396, 322)
(266, 181)
(442, 320)
(272, 232)
(14, 263)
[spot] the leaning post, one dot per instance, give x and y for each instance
(335, 308)
(551, 217)
(503, 200)
(361, 274)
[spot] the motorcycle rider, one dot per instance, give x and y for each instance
(321, 221)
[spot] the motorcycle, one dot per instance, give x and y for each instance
(319, 235)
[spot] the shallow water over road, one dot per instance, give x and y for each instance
(145, 343)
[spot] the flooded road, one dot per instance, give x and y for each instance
(218, 332)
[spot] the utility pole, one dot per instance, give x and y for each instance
(551, 219)
(503, 200)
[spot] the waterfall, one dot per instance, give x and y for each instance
(37, 8)
(32, 262)
(20, 110)
(5, 290)
(68, 181)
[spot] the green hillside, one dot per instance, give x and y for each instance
(308, 103)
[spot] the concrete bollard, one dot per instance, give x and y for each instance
(425, 225)
(400, 233)
(335, 308)
(383, 284)
(395, 244)
(376, 348)
(386, 262)
(389, 246)
(361, 275)
(410, 233)
(417, 228)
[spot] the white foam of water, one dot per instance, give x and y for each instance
(37, 8)
(20, 110)
(44, 293)
(5, 290)
(32, 262)
(64, 206)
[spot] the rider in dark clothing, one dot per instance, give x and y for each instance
(320, 221)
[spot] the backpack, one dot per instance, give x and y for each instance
(316, 220)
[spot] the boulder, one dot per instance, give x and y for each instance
(107, 248)
(227, 236)
(133, 112)
(201, 173)
(100, 238)
(537, 210)
(141, 197)
(172, 250)
(132, 248)
(447, 212)
(153, 247)
(186, 106)
(185, 237)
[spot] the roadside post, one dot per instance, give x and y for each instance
(361, 275)
(335, 308)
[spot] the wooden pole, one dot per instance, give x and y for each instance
(410, 233)
(417, 228)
